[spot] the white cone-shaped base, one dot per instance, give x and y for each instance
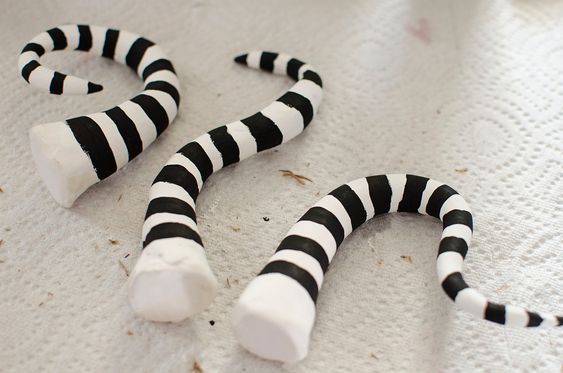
(171, 281)
(274, 318)
(61, 162)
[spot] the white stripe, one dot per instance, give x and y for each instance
(548, 320)
(211, 151)
(361, 188)
(25, 58)
(73, 85)
(114, 138)
(288, 120)
(166, 101)
(44, 39)
(317, 232)
(447, 263)
(470, 300)
(98, 39)
(124, 43)
(71, 34)
(333, 205)
(245, 141)
(185, 162)
(41, 78)
(455, 202)
(309, 90)
(152, 54)
(144, 125)
(253, 59)
(458, 230)
(170, 249)
(166, 217)
(516, 316)
(431, 187)
(280, 64)
(164, 75)
(397, 183)
(164, 189)
(302, 260)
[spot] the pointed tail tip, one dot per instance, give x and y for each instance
(241, 59)
(93, 87)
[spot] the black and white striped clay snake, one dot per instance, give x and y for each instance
(74, 154)
(172, 279)
(276, 312)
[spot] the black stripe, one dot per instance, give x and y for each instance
(59, 38)
(314, 77)
(226, 145)
(299, 102)
(137, 51)
(380, 193)
(94, 143)
(84, 38)
(241, 59)
(437, 199)
(93, 87)
(110, 43)
(295, 272)
(127, 130)
(323, 216)
(293, 66)
(559, 320)
(176, 174)
(453, 284)
(171, 230)
(28, 68)
(171, 205)
(412, 195)
(154, 111)
(495, 312)
(195, 153)
(534, 319)
(352, 203)
(34, 47)
(458, 217)
(267, 61)
(158, 65)
(453, 244)
(264, 131)
(166, 87)
(306, 245)
(57, 82)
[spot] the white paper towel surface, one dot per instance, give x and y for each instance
(466, 92)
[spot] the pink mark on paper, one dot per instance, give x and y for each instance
(421, 31)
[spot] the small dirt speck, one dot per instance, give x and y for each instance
(129, 332)
(211, 322)
(124, 268)
(299, 178)
(266, 218)
(406, 258)
(196, 368)
(461, 170)
(113, 242)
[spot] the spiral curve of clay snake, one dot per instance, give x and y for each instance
(172, 279)
(74, 154)
(276, 312)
